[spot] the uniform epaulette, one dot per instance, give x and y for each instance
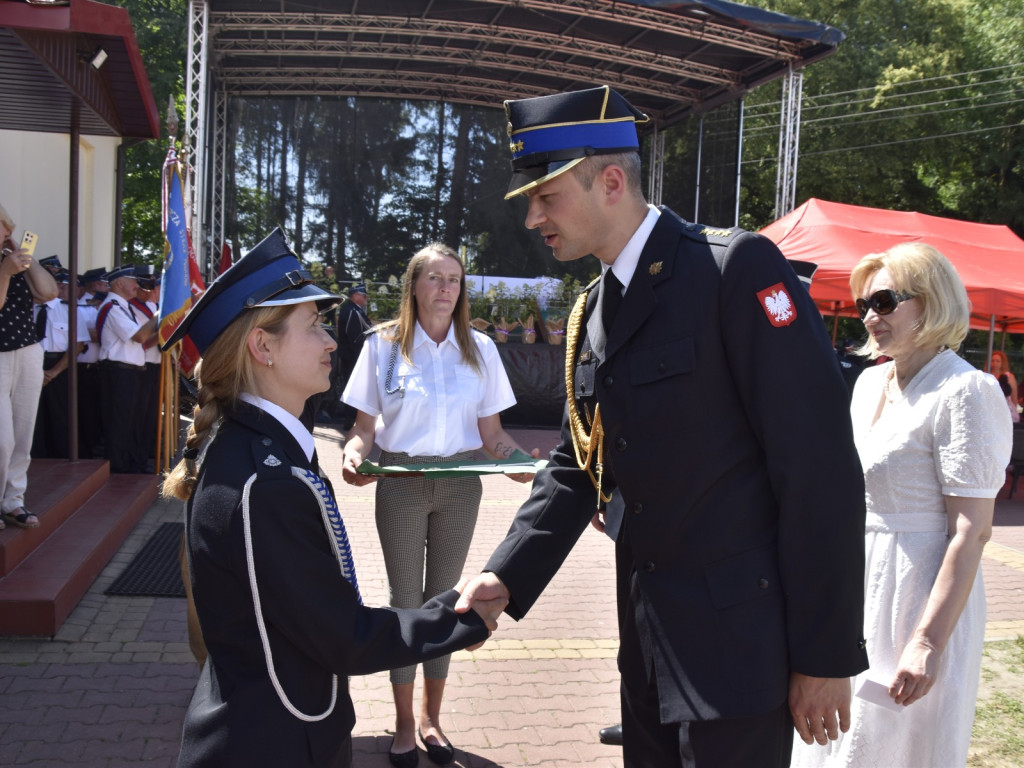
(270, 460)
(712, 235)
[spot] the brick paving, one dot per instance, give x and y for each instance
(110, 690)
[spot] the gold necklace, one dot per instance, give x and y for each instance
(890, 384)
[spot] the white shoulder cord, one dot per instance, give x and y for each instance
(250, 563)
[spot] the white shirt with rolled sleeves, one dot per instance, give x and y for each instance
(87, 319)
(116, 336)
(443, 399)
(57, 327)
(153, 351)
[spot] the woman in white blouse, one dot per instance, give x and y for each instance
(427, 388)
(934, 438)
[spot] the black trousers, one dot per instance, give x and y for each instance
(148, 410)
(762, 741)
(122, 391)
(90, 421)
(50, 438)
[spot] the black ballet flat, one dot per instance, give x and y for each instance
(408, 759)
(439, 754)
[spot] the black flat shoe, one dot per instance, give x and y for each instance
(408, 759)
(611, 735)
(439, 754)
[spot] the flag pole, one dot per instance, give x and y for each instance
(167, 426)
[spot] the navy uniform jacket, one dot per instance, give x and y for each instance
(352, 327)
(741, 544)
(315, 624)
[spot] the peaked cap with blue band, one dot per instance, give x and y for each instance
(269, 275)
(548, 135)
(94, 275)
(126, 270)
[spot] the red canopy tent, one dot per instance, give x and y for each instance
(989, 257)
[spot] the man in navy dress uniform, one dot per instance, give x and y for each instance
(707, 420)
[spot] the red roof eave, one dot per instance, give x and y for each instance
(90, 18)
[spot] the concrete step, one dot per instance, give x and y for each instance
(56, 489)
(39, 594)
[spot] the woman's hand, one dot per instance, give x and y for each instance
(916, 672)
(358, 444)
(16, 261)
(349, 472)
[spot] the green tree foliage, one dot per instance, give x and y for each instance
(362, 184)
(161, 31)
(921, 108)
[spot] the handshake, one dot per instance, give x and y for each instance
(487, 595)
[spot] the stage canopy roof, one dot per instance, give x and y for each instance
(670, 59)
(835, 236)
(47, 73)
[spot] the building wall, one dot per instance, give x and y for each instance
(35, 192)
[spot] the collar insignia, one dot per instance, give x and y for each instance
(655, 268)
(272, 461)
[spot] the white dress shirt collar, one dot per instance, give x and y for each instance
(420, 336)
(625, 263)
(293, 425)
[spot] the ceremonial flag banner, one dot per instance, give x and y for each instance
(225, 258)
(182, 280)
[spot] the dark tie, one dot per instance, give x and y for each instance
(41, 322)
(611, 299)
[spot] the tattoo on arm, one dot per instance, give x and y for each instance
(503, 450)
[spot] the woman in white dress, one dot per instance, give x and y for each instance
(933, 435)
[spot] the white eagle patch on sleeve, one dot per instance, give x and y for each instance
(777, 305)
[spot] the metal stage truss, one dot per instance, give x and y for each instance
(670, 59)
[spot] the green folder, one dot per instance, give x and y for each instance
(517, 463)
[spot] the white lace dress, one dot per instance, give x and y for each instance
(948, 435)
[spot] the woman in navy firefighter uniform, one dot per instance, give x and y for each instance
(272, 574)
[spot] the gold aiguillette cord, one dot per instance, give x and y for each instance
(587, 445)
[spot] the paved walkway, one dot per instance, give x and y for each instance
(111, 689)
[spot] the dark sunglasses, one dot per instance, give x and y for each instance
(884, 302)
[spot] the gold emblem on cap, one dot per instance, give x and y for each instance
(655, 268)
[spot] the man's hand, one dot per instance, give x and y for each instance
(814, 703)
(485, 594)
(525, 477)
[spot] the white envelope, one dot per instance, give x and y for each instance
(878, 693)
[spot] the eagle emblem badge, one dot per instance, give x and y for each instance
(777, 305)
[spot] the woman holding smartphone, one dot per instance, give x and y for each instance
(22, 283)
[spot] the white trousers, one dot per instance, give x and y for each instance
(21, 380)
